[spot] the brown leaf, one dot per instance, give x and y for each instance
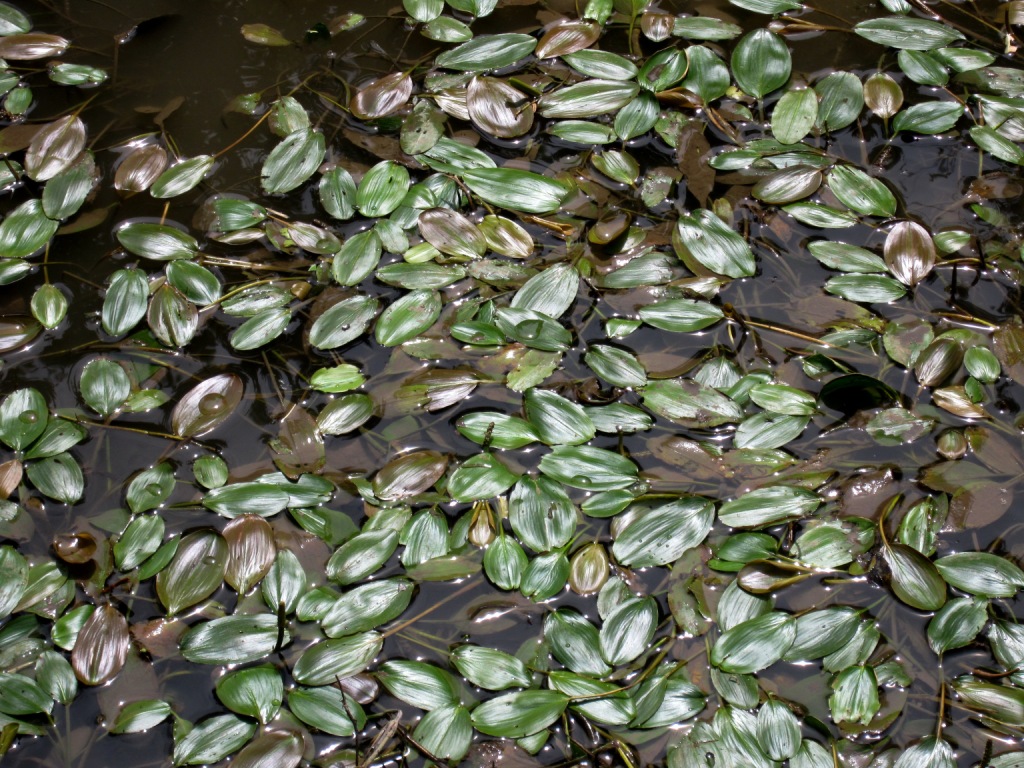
(382, 97)
(32, 45)
(10, 477)
(909, 252)
(251, 551)
(299, 447)
(102, 646)
(1009, 348)
(140, 168)
(566, 37)
(206, 405)
(497, 108)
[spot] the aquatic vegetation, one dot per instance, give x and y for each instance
(483, 397)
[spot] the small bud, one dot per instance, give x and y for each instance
(481, 527)
(588, 570)
(952, 444)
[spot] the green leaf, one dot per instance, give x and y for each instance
(487, 52)
(663, 70)
(446, 733)
(160, 242)
(292, 161)
(150, 488)
(957, 623)
(408, 317)
(497, 430)
(907, 33)
(125, 302)
(681, 315)
(996, 144)
(768, 506)
(770, 7)
(490, 668)
(822, 631)
(981, 573)
(327, 709)
(788, 185)
(708, 76)
(858, 191)
(328, 661)
(64, 194)
(754, 644)
(929, 117)
(505, 562)
(58, 477)
(104, 386)
(627, 631)
(13, 21)
(246, 499)
(706, 239)
(589, 468)
(840, 100)
(551, 292)
(361, 555)
(555, 420)
(914, 578)
(855, 696)
(260, 329)
(382, 188)
(541, 514)
(590, 98)
(25, 230)
(769, 430)
(195, 573)
(761, 63)
(212, 740)
(690, 404)
(254, 692)
(367, 606)
(514, 715)
(196, 283)
(601, 65)
(20, 695)
(181, 177)
(445, 29)
(845, 257)
(1002, 703)
(923, 68)
(660, 535)
(422, 685)
(517, 190)
(870, 289)
(140, 716)
(23, 416)
(778, 731)
(13, 579)
(616, 366)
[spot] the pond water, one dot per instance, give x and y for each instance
(745, 395)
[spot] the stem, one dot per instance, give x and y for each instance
(398, 628)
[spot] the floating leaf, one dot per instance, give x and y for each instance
(761, 63)
(487, 52)
(207, 405)
(181, 177)
(233, 639)
(195, 573)
(212, 740)
(514, 715)
(102, 646)
(909, 252)
(907, 33)
(292, 161)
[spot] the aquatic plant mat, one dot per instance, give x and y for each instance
(511, 384)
